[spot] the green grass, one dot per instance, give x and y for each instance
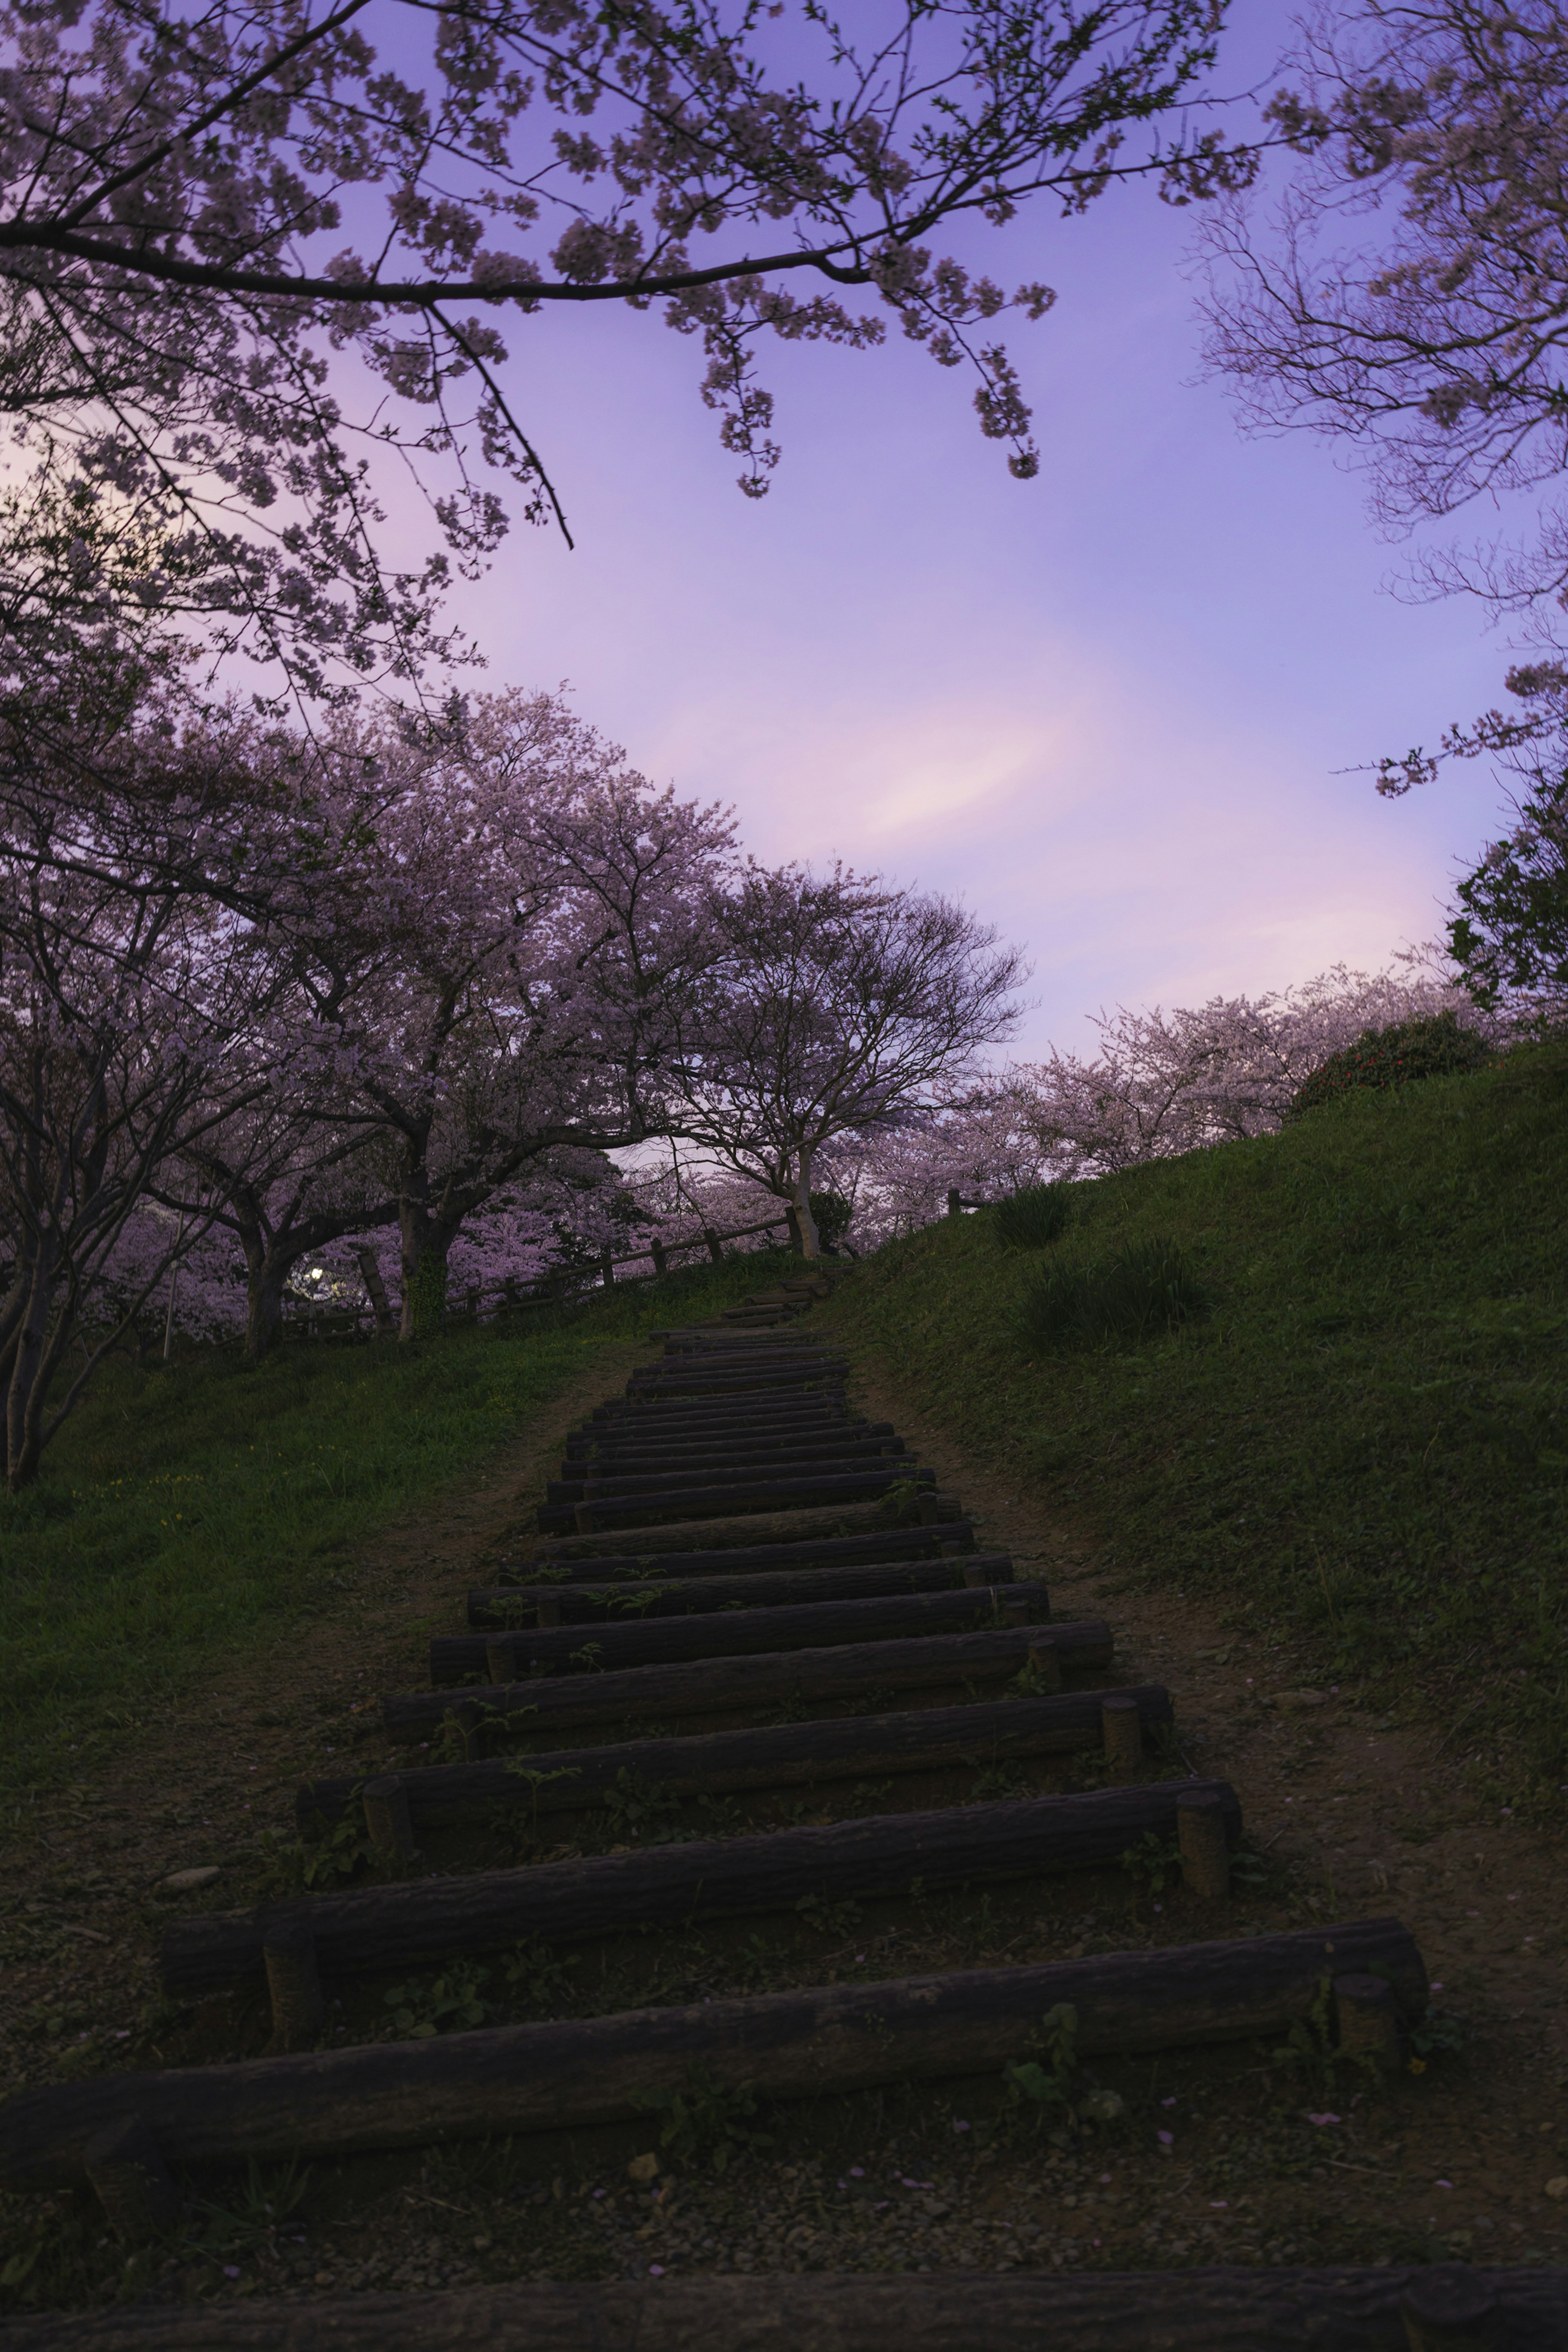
(1033, 1217)
(198, 1507)
(1361, 1447)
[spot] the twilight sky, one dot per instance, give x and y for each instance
(1105, 705)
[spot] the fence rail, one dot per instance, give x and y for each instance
(308, 1319)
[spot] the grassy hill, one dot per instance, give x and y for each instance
(1360, 1444)
(193, 1507)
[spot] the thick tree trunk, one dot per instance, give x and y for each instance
(810, 1240)
(264, 1304)
(31, 1366)
(424, 1273)
(375, 1289)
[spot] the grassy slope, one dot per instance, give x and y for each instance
(189, 1509)
(1364, 1439)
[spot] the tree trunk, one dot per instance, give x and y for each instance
(30, 1368)
(810, 1242)
(263, 1305)
(426, 1243)
(381, 1306)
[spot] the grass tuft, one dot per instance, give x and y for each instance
(1142, 1289)
(1034, 1216)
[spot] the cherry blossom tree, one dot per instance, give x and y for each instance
(206, 211)
(838, 1007)
(510, 945)
(1168, 1082)
(127, 1012)
(981, 1144)
(1408, 297)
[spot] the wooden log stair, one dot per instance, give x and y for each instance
(726, 1541)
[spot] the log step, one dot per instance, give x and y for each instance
(741, 1559)
(879, 1855)
(1212, 2310)
(659, 1473)
(745, 1528)
(840, 1674)
(734, 1632)
(788, 1756)
(701, 1382)
(574, 2072)
(644, 1456)
(773, 1494)
(576, 1604)
(652, 1414)
(596, 1444)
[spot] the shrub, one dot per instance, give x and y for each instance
(1143, 1287)
(1033, 1216)
(1434, 1046)
(831, 1213)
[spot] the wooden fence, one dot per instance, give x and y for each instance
(307, 1320)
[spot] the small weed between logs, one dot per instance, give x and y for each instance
(535, 1776)
(1153, 1863)
(540, 1976)
(707, 2123)
(1039, 2089)
(831, 1919)
(304, 1865)
(268, 2198)
(1438, 2034)
(415, 2012)
(639, 1809)
(1309, 2051)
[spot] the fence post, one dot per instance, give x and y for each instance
(655, 1251)
(715, 1246)
(954, 1203)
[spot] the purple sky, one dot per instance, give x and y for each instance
(1105, 705)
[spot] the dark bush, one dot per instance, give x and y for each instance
(831, 1213)
(1142, 1289)
(1434, 1046)
(1030, 1218)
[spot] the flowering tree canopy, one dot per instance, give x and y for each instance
(1410, 295)
(205, 207)
(837, 1006)
(1164, 1083)
(132, 1019)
